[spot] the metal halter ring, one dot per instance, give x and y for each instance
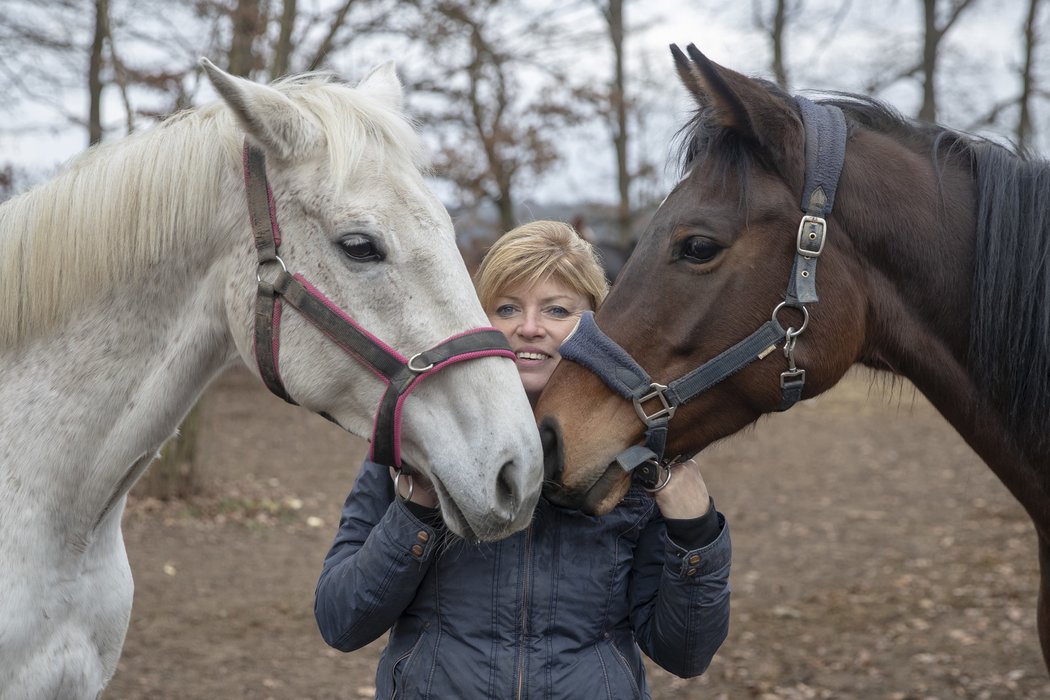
(418, 370)
(805, 316)
(663, 484)
(397, 490)
(258, 278)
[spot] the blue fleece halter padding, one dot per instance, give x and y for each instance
(825, 150)
(588, 346)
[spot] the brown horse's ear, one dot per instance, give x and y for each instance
(741, 104)
(686, 73)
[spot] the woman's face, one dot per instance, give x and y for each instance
(536, 320)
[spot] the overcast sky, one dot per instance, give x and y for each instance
(989, 37)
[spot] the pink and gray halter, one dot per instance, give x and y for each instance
(399, 374)
(655, 404)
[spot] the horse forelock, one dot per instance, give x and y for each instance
(121, 208)
(356, 124)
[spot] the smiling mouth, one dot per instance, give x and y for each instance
(532, 356)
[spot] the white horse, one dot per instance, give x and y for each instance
(130, 281)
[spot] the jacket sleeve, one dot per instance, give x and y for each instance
(372, 571)
(680, 599)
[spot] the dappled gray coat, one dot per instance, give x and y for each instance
(558, 610)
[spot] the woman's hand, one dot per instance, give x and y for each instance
(422, 491)
(686, 495)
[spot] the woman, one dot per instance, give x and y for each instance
(562, 609)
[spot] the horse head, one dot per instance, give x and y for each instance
(365, 242)
(710, 270)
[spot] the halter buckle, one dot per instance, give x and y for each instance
(811, 235)
(666, 410)
(792, 376)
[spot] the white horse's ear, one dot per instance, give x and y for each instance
(278, 124)
(382, 82)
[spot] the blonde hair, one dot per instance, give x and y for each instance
(536, 252)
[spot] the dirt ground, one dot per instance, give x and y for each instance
(876, 557)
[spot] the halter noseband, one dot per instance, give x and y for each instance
(400, 375)
(587, 345)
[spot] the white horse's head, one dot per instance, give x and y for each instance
(359, 224)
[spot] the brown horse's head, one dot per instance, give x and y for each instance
(710, 269)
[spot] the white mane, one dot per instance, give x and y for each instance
(123, 207)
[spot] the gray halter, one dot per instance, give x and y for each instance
(825, 128)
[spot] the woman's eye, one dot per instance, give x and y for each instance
(360, 249)
(558, 311)
(504, 310)
(700, 250)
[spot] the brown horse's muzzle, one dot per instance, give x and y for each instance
(591, 499)
(553, 450)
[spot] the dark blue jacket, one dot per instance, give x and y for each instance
(558, 610)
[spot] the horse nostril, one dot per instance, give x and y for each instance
(553, 451)
(508, 495)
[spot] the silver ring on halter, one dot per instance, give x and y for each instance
(805, 316)
(397, 490)
(419, 370)
(663, 484)
(258, 279)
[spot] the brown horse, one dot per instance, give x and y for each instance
(936, 267)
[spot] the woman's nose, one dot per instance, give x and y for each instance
(531, 325)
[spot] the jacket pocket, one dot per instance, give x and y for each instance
(617, 666)
(403, 664)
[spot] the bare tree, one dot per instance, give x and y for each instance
(94, 76)
(775, 27)
(1029, 87)
(494, 106)
(42, 55)
(248, 25)
(613, 12)
(934, 29)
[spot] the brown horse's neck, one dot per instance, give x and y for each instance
(919, 284)
(929, 363)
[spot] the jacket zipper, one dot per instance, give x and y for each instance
(527, 570)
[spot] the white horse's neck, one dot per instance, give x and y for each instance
(86, 407)
(110, 386)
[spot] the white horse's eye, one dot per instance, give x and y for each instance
(360, 248)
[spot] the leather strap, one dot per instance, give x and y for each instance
(267, 236)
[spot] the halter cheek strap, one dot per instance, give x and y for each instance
(400, 375)
(266, 234)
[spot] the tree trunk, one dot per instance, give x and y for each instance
(618, 95)
(247, 27)
(174, 475)
(776, 37)
(95, 73)
(1028, 88)
(931, 39)
(283, 51)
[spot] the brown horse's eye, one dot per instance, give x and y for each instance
(699, 250)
